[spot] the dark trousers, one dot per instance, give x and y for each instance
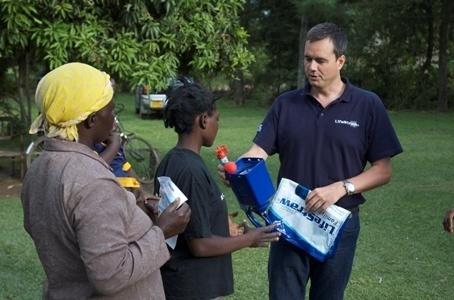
(290, 268)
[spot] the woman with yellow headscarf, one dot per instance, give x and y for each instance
(67, 96)
(92, 239)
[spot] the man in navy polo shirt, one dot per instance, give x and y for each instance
(325, 134)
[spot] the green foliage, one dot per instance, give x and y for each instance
(273, 28)
(137, 42)
(144, 47)
(394, 52)
(393, 45)
(18, 19)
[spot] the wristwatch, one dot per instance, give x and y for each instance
(349, 187)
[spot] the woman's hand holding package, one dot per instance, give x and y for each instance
(151, 205)
(173, 219)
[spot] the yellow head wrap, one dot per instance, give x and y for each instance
(66, 96)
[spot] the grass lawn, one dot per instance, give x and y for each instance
(402, 252)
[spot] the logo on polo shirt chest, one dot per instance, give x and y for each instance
(350, 123)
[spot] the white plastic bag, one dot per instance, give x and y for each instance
(169, 192)
(316, 233)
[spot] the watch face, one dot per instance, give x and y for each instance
(349, 187)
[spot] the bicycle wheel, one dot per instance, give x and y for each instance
(34, 149)
(143, 158)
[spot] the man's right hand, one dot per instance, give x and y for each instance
(173, 220)
(254, 151)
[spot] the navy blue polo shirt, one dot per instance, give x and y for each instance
(318, 146)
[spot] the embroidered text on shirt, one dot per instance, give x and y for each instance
(353, 124)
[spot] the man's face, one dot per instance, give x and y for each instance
(320, 63)
(105, 121)
(212, 126)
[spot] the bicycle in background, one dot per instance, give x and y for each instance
(143, 157)
(34, 149)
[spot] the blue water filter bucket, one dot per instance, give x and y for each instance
(252, 186)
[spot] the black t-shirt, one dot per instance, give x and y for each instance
(185, 276)
(318, 146)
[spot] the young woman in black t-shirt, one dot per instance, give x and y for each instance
(200, 266)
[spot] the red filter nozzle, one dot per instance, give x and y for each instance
(230, 167)
(221, 151)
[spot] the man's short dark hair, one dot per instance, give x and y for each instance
(185, 103)
(331, 31)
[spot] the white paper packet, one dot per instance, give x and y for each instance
(169, 192)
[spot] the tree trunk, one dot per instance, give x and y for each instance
(301, 43)
(430, 35)
(238, 84)
(28, 88)
(3, 68)
(23, 82)
(443, 56)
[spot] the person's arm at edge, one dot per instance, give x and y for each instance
(378, 174)
(219, 245)
(448, 221)
(112, 147)
(255, 151)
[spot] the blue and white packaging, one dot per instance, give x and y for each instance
(169, 192)
(316, 233)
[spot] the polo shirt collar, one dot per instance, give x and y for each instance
(343, 98)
